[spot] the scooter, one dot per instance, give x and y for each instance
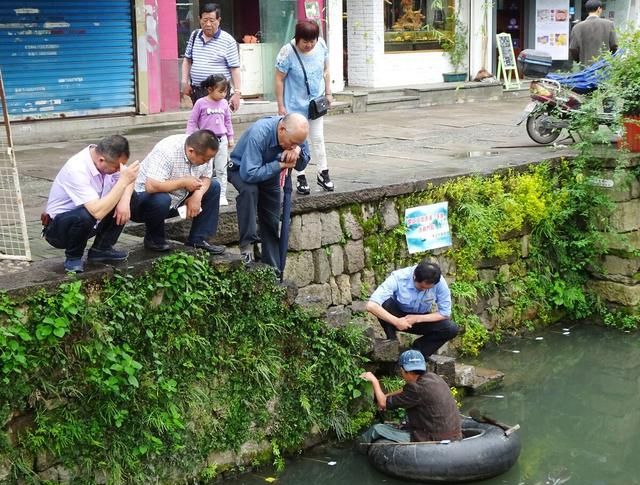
(556, 98)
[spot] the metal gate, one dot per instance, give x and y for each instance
(67, 57)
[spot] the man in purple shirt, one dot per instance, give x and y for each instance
(404, 301)
(90, 197)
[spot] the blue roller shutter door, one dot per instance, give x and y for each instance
(67, 57)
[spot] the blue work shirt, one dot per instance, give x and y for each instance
(400, 286)
(257, 154)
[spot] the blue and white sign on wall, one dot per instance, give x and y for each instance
(427, 227)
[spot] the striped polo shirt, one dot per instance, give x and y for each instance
(216, 56)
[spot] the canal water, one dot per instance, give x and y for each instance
(575, 393)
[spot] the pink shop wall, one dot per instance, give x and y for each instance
(161, 50)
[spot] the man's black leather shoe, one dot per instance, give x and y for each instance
(154, 246)
(212, 248)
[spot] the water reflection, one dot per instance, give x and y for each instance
(575, 396)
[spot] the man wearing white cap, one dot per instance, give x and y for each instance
(432, 412)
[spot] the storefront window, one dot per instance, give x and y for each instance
(414, 25)
(186, 24)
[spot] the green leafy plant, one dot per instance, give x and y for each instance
(145, 376)
(456, 43)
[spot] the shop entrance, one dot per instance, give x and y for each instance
(510, 19)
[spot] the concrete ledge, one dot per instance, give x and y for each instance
(48, 274)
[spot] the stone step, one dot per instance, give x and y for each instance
(477, 380)
(393, 102)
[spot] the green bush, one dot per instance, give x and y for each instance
(149, 374)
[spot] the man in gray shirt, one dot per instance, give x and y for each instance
(593, 36)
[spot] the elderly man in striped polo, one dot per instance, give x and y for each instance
(210, 50)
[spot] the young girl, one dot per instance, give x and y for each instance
(212, 113)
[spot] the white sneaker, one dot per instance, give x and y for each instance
(223, 201)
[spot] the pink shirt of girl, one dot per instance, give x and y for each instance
(211, 115)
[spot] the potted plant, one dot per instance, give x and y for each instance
(623, 85)
(456, 47)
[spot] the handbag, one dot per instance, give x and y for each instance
(319, 106)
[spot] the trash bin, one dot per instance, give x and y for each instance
(532, 63)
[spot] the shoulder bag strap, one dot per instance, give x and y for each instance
(306, 81)
(192, 41)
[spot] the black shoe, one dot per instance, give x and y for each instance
(324, 181)
(212, 248)
(161, 247)
(106, 255)
(302, 187)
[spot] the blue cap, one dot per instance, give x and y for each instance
(412, 360)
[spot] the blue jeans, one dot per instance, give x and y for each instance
(153, 209)
(71, 231)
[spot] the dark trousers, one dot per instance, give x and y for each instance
(71, 231)
(261, 201)
(153, 209)
(434, 335)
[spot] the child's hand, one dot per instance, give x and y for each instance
(230, 142)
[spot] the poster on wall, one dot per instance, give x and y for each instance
(427, 227)
(552, 28)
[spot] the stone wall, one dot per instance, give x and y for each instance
(618, 281)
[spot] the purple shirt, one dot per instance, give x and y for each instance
(211, 115)
(77, 183)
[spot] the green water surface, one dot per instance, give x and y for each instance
(575, 394)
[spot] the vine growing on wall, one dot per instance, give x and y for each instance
(542, 227)
(147, 375)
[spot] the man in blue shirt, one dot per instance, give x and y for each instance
(270, 146)
(404, 301)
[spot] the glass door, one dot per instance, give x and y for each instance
(277, 25)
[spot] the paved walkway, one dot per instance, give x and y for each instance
(369, 149)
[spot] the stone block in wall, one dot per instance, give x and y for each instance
(336, 259)
(389, 214)
(352, 228)
(56, 474)
(338, 316)
(354, 256)
(622, 266)
(525, 245)
(335, 291)
(626, 216)
(625, 243)
(344, 286)
(626, 295)
(356, 285)
(321, 267)
(331, 229)
(305, 233)
(447, 266)
(624, 188)
(444, 366)
(359, 306)
(299, 268)
(504, 271)
(315, 298)
(368, 281)
(5, 469)
(385, 350)
(487, 320)
(487, 275)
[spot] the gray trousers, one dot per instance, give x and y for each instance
(259, 201)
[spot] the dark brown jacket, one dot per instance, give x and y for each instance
(432, 411)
